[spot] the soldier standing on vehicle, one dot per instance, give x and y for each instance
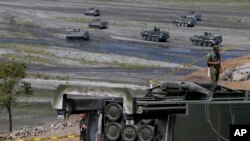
(214, 64)
(83, 127)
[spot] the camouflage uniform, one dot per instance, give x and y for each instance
(83, 132)
(214, 69)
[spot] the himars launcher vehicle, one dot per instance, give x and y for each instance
(171, 111)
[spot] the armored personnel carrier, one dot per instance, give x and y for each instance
(77, 34)
(193, 15)
(155, 35)
(97, 23)
(93, 12)
(185, 22)
(208, 39)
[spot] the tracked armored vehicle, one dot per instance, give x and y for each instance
(208, 39)
(193, 15)
(77, 34)
(97, 23)
(185, 22)
(165, 112)
(155, 35)
(92, 12)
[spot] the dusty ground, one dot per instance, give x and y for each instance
(33, 31)
(202, 75)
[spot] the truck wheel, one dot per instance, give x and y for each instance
(144, 38)
(201, 43)
(209, 44)
(157, 39)
(196, 43)
(68, 108)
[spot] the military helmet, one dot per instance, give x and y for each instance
(216, 47)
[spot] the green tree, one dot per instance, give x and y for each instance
(12, 86)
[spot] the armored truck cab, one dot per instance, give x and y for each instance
(77, 34)
(208, 39)
(155, 35)
(92, 12)
(97, 23)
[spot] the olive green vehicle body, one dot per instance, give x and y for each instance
(155, 35)
(207, 39)
(92, 12)
(98, 23)
(77, 34)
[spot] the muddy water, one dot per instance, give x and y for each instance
(27, 115)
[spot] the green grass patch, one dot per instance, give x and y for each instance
(25, 59)
(72, 19)
(26, 48)
(44, 94)
(114, 63)
(129, 66)
(47, 77)
(13, 20)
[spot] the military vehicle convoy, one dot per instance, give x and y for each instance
(162, 113)
(208, 39)
(92, 12)
(185, 22)
(155, 35)
(77, 34)
(98, 23)
(193, 15)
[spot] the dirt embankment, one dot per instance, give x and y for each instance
(202, 75)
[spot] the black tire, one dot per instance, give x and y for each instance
(193, 43)
(201, 43)
(68, 107)
(196, 43)
(157, 39)
(209, 44)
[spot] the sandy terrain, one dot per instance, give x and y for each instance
(201, 76)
